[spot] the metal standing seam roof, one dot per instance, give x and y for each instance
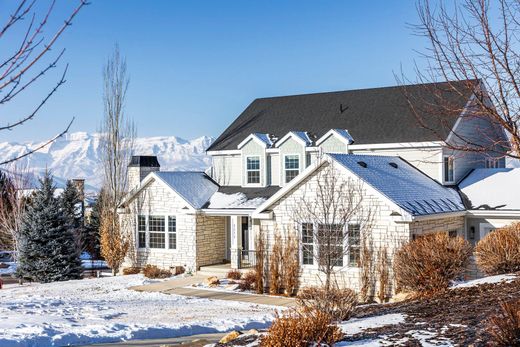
(195, 187)
(402, 183)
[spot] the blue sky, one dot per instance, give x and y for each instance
(195, 65)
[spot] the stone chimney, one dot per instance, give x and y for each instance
(140, 166)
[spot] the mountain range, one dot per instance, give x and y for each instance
(77, 155)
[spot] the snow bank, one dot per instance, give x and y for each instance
(484, 280)
(358, 325)
(104, 310)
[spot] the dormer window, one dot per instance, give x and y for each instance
(448, 168)
(292, 166)
(253, 169)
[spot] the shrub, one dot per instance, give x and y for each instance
(428, 264)
(131, 270)
(152, 271)
(297, 329)
(497, 252)
(260, 242)
(248, 281)
(291, 265)
(337, 303)
(275, 265)
(384, 275)
(505, 328)
(234, 274)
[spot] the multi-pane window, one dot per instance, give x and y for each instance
(172, 232)
(307, 244)
(292, 167)
(448, 164)
(141, 231)
(330, 244)
(354, 244)
(157, 234)
(492, 163)
(253, 170)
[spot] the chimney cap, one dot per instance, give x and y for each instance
(144, 161)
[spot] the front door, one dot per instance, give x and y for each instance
(245, 233)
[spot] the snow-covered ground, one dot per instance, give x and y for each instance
(484, 280)
(105, 310)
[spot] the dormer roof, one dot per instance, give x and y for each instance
(263, 139)
(342, 134)
(300, 136)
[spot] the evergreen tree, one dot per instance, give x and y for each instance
(72, 207)
(92, 236)
(47, 250)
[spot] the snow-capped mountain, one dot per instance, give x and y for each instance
(77, 155)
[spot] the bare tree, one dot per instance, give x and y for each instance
(332, 214)
(473, 47)
(20, 67)
(117, 141)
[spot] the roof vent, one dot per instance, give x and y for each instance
(394, 165)
(362, 164)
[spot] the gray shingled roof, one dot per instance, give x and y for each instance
(195, 187)
(379, 115)
(402, 183)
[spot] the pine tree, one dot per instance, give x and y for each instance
(71, 204)
(92, 235)
(47, 250)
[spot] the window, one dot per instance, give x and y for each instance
(307, 244)
(141, 231)
(157, 235)
(172, 232)
(452, 233)
(330, 244)
(292, 167)
(354, 243)
(448, 168)
(253, 170)
(492, 163)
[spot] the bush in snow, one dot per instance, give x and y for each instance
(234, 274)
(302, 329)
(498, 252)
(152, 271)
(428, 264)
(505, 327)
(47, 249)
(337, 303)
(248, 280)
(131, 270)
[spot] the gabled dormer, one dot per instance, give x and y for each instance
(335, 141)
(254, 159)
(293, 155)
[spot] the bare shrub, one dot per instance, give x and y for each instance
(301, 329)
(384, 274)
(367, 270)
(131, 270)
(152, 271)
(428, 264)
(291, 265)
(248, 281)
(260, 244)
(337, 303)
(275, 265)
(498, 252)
(234, 274)
(505, 327)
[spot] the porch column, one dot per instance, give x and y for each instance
(236, 240)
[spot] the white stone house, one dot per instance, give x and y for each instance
(272, 153)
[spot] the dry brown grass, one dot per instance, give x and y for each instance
(301, 329)
(131, 270)
(505, 328)
(248, 281)
(234, 274)
(498, 252)
(337, 303)
(275, 265)
(428, 264)
(152, 271)
(291, 265)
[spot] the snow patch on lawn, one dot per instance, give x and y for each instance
(484, 280)
(104, 310)
(358, 325)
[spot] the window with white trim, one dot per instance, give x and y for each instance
(141, 231)
(292, 167)
(354, 244)
(157, 232)
(253, 170)
(492, 163)
(448, 168)
(172, 232)
(307, 243)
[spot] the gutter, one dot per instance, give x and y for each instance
(494, 213)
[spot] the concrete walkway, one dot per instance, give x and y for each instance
(181, 286)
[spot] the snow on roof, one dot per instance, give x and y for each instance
(493, 188)
(236, 200)
(264, 138)
(304, 136)
(402, 183)
(195, 187)
(345, 134)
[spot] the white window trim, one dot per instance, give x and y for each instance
(284, 174)
(147, 232)
(444, 180)
(259, 184)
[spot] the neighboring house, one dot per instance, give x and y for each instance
(273, 152)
